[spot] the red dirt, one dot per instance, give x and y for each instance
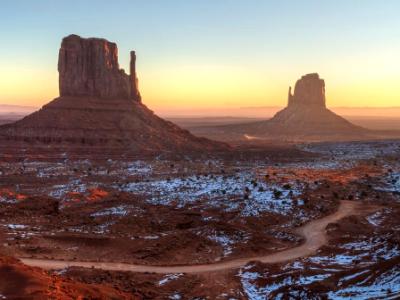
(313, 232)
(22, 282)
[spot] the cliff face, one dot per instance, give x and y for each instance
(89, 67)
(309, 91)
(100, 106)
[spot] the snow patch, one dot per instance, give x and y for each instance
(168, 278)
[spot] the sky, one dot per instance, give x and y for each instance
(214, 54)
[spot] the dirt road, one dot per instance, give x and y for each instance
(313, 232)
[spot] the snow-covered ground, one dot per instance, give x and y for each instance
(122, 210)
(391, 183)
(226, 240)
(169, 277)
(354, 150)
(61, 190)
(385, 286)
(362, 284)
(254, 292)
(254, 195)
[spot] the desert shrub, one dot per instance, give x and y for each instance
(277, 194)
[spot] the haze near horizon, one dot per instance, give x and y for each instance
(212, 55)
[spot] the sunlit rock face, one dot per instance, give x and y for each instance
(309, 90)
(89, 67)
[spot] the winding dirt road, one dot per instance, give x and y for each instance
(313, 232)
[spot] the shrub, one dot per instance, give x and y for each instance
(277, 194)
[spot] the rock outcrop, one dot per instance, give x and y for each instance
(100, 106)
(89, 67)
(305, 118)
(134, 81)
(309, 91)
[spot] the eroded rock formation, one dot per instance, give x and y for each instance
(306, 118)
(100, 106)
(309, 91)
(89, 67)
(134, 81)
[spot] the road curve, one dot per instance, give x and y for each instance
(313, 232)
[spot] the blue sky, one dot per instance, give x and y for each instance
(269, 44)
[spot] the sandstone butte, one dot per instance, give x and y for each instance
(100, 106)
(305, 118)
(307, 114)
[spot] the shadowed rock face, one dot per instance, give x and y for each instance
(100, 106)
(309, 91)
(134, 82)
(89, 67)
(306, 118)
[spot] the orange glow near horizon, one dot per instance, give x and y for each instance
(212, 54)
(199, 87)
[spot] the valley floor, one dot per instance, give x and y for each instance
(243, 214)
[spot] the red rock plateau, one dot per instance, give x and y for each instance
(100, 105)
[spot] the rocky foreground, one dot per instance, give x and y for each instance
(190, 212)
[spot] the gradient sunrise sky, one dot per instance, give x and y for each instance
(212, 53)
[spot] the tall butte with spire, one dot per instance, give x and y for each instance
(100, 106)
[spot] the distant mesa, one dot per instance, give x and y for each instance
(305, 118)
(100, 105)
